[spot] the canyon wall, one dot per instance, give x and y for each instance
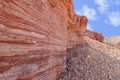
(34, 37)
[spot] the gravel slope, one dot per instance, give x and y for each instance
(93, 61)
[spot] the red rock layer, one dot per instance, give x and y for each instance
(94, 35)
(76, 31)
(34, 36)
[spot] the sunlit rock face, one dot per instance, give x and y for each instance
(34, 36)
(76, 31)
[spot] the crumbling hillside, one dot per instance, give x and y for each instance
(93, 61)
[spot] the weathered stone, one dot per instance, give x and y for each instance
(94, 35)
(80, 24)
(34, 36)
(76, 31)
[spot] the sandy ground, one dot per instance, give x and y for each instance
(93, 61)
(113, 41)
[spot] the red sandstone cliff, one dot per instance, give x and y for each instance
(34, 36)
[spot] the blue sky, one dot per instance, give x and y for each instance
(103, 15)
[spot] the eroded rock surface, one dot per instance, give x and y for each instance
(34, 36)
(94, 35)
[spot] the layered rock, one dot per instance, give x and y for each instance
(34, 36)
(76, 31)
(94, 35)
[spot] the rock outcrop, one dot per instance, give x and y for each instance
(34, 36)
(94, 35)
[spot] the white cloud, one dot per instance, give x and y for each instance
(103, 5)
(89, 12)
(114, 18)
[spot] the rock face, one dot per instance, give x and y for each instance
(34, 36)
(94, 35)
(76, 31)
